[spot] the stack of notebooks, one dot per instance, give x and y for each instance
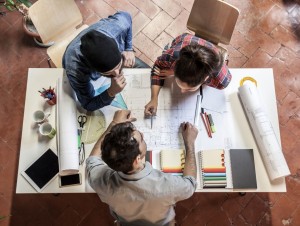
(218, 168)
(232, 168)
(172, 161)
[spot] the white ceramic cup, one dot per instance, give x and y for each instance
(40, 116)
(46, 129)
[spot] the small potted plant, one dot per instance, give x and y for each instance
(22, 7)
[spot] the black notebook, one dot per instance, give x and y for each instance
(242, 168)
(42, 171)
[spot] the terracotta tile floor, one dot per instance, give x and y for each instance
(267, 35)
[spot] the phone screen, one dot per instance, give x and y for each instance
(70, 180)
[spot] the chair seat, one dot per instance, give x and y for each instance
(56, 21)
(56, 51)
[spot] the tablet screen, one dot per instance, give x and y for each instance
(43, 170)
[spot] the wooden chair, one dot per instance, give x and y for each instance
(213, 20)
(57, 21)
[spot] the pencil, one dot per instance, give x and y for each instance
(208, 125)
(205, 124)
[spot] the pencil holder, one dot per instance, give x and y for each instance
(52, 101)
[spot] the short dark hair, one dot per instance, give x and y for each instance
(195, 63)
(120, 148)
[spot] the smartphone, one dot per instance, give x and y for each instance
(69, 180)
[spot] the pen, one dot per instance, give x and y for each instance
(211, 122)
(151, 121)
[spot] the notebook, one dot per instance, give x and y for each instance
(148, 157)
(212, 168)
(42, 171)
(242, 168)
(172, 161)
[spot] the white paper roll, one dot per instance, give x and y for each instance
(67, 128)
(263, 131)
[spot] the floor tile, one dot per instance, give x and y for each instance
(146, 7)
(157, 25)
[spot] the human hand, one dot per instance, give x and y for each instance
(123, 116)
(117, 85)
(163, 73)
(151, 108)
(189, 133)
(128, 58)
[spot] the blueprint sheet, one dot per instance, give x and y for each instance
(174, 108)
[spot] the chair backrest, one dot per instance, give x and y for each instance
(213, 20)
(55, 19)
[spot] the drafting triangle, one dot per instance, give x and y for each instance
(119, 102)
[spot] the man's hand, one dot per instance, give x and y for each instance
(189, 134)
(119, 117)
(163, 73)
(151, 108)
(117, 85)
(128, 58)
(123, 116)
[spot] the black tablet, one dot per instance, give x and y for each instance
(42, 171)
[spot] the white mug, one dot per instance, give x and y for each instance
(46, 129)
(40, 116)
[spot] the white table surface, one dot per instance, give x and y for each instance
(33, 145)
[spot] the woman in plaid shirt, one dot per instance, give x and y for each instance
(193, 61)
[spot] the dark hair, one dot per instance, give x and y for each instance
(100, 51)
(120, 148)
(195, 63)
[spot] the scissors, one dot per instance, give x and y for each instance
(82, 120)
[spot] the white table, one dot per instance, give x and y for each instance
(32, 145)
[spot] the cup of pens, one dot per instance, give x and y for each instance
(49, 94)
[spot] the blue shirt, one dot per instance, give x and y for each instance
(80, 74)
(147, 196)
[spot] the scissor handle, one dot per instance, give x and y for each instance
(82, 118)
(248, 79)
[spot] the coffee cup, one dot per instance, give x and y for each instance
(46, 129)
(40, 116)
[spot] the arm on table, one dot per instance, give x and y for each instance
(189, 134)
(119, 117)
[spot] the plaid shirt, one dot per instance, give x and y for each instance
(168, 59)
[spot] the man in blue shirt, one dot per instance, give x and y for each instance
(103, 49)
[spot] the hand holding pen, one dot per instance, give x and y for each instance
(150, 110)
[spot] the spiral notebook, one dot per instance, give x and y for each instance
(232, 168)
(172, 161)
(213, 168)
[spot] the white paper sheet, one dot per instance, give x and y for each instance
(263, 132)
(214, 99)
(67, 128)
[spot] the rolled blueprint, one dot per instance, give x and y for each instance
(66, 123)
(263, 131)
